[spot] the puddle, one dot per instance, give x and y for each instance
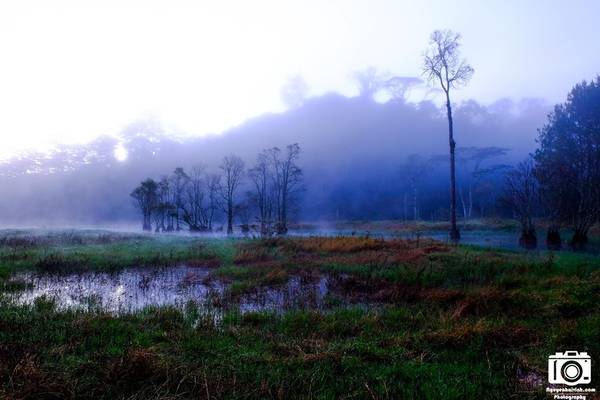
(133, 289)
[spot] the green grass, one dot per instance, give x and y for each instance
(83, 251)
(403, 322)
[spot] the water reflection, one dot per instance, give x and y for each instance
(133, 289)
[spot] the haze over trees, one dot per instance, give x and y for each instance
(560, 182)
(474, 177)
(352, 153)
(362, 158)
(356, 161)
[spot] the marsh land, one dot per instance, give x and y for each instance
(100, 314)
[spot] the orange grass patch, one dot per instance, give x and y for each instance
(346, 244)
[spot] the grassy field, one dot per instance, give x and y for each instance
(403, 319)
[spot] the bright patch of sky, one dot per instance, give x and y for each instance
(73, 70)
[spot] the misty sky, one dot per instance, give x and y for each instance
(72, 70)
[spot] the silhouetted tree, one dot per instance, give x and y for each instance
(145, 197)
(568, 161)
(233, 169)
(200, 200)
(521, 195)
(288, 181)
(443, 65)
(213, 185)
(162, 205)
(178, 182)
(263, 196)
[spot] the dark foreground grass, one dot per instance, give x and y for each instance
(406, 322)
(162, 353)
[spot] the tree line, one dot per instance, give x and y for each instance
(561, 179)
(262, 197)
(560, 182)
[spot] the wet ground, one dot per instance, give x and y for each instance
(133, 289)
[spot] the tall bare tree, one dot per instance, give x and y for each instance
(213, 187)
(288, 181)
(263, 196)
(178, 182)
(443, 65)
(233, 169)
(200, 200)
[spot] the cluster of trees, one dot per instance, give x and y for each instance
(197, 199)
(561, 181)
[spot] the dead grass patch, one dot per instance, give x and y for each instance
(252, 255)
(30, 381)
(346, 244)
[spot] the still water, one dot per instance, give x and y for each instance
(133, 289)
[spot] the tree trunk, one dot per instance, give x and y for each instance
(147, 226)
(553, 240)
(229, 218)
(579, 239)
(454, 233)
(464, 206)
(282, 229)
(415, 204)
(528, 239)
(470, 201)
